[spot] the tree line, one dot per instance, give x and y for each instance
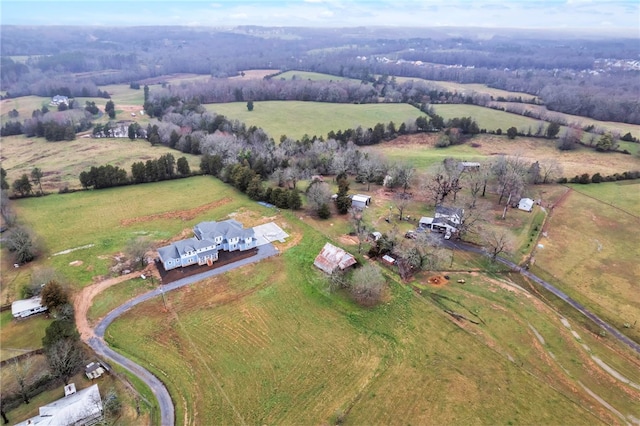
(108, 176)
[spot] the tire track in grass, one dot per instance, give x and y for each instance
(199, 354)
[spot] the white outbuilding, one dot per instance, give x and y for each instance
(526, 204)
(27, 307)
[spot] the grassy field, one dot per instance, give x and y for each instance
(610, 126)
(306, 75)
(268, 344)
(115, 296)
(62, 162)
(420, 151)
(295, 119)
(592, 253)
(486, 118)
(104, 220)
(20, 336)
(469, 88)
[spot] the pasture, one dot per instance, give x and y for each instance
(420, 151)
(592, 249)
(269, 344)
(486, 118)
(62, 162)
(296, 118)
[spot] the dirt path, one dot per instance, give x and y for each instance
(83, 301)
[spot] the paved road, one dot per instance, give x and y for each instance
(580, 308)
(167, 412)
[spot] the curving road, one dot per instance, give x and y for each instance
(167, 412)
(562, 295)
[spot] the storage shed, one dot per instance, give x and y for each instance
(27, 307)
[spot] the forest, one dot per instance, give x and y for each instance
(580, 76)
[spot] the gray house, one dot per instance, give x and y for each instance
(81, 408)
(188, 252)
(210, 237)
(228, 235)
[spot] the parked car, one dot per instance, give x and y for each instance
(447, 236)
(412, 235)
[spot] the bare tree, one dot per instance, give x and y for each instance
(368, 285)
(21, 243)
(137, 249)
(550, 170)
(21, 371)
(402, 175)
(510, 174)
(445, 180)
(65, 356)
(318, 194)
(370, 169)
(356, 218)
(496, 243)
(401, 202)
(476, 181)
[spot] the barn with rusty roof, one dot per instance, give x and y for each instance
(332, 258)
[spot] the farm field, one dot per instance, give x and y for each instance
(62, 162)
(468, 88)
(306, 75)
(486, 118)
(297, 118)
(597, 265)
(420, 151)
(82, 230)
(268, 344)
(610, 126)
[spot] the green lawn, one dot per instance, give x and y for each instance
(115, 296)
(23, 335)
(295, 119)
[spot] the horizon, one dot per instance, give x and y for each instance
(620, 17)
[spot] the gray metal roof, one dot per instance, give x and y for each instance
(226, 229)
(332, 257)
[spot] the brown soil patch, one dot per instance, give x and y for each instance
(348, 240)
(180, 214)
(438, 280)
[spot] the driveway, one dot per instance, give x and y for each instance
(580, 308)
(97, 343)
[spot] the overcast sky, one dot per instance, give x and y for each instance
(602, 15)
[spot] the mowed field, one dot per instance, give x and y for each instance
(313, 76)
(592, 249)
(297, 118)
(62, 162)
(420, 151)
(268, 344)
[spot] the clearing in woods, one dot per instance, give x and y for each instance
(269, 344)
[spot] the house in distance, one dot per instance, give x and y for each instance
(210, 237)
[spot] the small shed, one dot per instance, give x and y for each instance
(332, 258)
(375, 235)
(526, 204)
(360, 201)
(425, 222)
(469, 166)
(94, 370)
(27, 307)
(388, 259)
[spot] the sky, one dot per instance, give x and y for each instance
(602, 15)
